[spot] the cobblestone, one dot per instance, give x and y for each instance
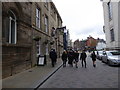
(103, 76)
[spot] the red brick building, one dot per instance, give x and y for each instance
(91, 42)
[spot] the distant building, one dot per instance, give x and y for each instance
(112, 23)
(91, 43)
(68, 38)
(76, 44)
(83, 44)
(71, 44)
(101, 45)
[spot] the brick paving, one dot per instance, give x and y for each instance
(103, 76)
(31, 78)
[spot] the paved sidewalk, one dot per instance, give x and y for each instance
(31, 78)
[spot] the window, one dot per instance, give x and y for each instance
(37, 18)
(47, 49)
(46, 24)
(112, 35)
(46, 3)
(110, 10)
(116, 53)
(53, 11)
(38, 47)
(11, 31)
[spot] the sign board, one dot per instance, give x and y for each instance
(41, 60)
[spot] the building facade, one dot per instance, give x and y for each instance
(87, 44)
(27, 33)
(83, 45)
(91, 43)
(101, 45)
(77, 44)
(112, 23)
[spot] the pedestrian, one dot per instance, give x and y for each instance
(83, 58)
(70, 57)
(93, 56)
(64, 58)
(53, 57)
(76, 55)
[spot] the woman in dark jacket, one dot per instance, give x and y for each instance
(93, 56)
(64, 58)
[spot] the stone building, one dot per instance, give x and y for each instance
(16, 37)
(83, 45)
(77, 44)
(101, 45)
(112, 23)
(26, 34)
(49, 20)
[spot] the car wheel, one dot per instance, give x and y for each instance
(108, 62)
(102, 60)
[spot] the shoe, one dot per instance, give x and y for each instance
(71, 65)
(64, 65)
(94, 65)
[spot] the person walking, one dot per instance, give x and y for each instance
(93, 56)
(83, 58)
(76, 55)
(70, 57)
(64, 58)
(53, 57)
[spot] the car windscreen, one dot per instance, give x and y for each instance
(115, 53)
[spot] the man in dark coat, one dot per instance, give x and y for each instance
(64, 58)
(76, 56)
(70, 57)
(83, 58)
(53, 56)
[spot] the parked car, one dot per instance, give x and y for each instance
(111, 57)
(99, 54)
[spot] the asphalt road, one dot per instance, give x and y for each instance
(103, 76)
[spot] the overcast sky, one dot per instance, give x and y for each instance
(82, 17)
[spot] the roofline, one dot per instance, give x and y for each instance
(56, 10)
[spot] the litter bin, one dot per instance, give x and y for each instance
(41, 60)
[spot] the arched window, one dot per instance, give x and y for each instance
(12, 32)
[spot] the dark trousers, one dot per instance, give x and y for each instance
(64, 63)
(83, 60)
(53, 61)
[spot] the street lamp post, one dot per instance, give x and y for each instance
(55, 36)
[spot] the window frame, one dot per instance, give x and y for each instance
(10, 39)
(47, 49)
(38, 47)
(46, 23)
(38, 17)
(46, 3)
(112, 35)
(110, 10)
